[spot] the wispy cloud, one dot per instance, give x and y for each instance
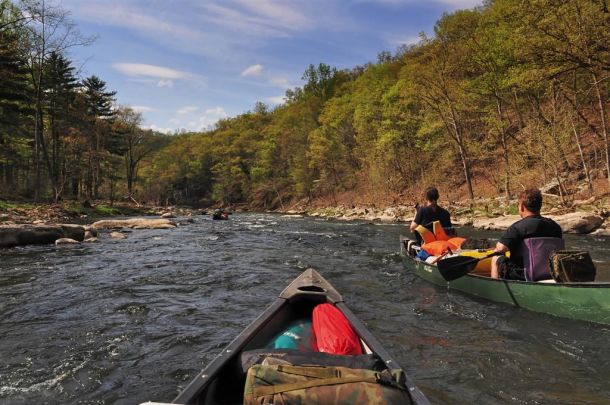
(208, 119)
(159, 72)
(281, 81)
(164, 76)
(121, 15)
(461, 3)
(254, 70)
(289, 16)
(276, 99)
(406, 40)
(141, 108)
(452, 3)
(165, 83)
(187, 110)
(159, 129)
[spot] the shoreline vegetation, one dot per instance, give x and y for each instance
(73, 222)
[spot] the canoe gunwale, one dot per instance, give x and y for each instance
(309, 286)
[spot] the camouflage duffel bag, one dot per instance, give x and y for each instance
(287, 384)
(572, 266)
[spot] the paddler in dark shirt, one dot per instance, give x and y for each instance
(531, 225)
(430, 212)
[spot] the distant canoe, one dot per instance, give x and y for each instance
(222, 381)
(583, 301)
(220, 216)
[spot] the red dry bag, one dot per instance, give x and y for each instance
(333, 332)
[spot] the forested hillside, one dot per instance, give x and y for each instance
(511, 94)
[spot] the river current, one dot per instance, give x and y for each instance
(133, 320)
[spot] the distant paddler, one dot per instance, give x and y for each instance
(219, 213)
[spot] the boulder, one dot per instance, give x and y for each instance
(168, 215)
(18, 235)
(601, 232)
(497, 224)
(65, 241)
(577, 203)
(135, 223)
(117, 235)
(461, 221)
(578, 222)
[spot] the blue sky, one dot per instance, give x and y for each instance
(184, 64)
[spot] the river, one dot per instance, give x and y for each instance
(127, 321)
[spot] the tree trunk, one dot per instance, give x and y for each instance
(602, 113)
(463, 155)
(504, 144)
(582, 158)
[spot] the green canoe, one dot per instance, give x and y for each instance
(584, 301)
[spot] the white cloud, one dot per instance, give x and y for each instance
(461, 3)
(278, 14)
(254, 70)
(159, 129)
(398, 41)
(165, 83)
(280, 82)
(210, 117)
(276, 99)
(144, 70)
(261, 18)
(118, 14)
(187, 110)
(453, 3)
(141, 108)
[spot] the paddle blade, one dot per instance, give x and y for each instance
(456, 267)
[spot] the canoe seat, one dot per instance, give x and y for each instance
(536, 253)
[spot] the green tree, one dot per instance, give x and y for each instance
(98, 101)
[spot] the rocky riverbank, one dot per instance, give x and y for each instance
(27, 224)
(590, 216)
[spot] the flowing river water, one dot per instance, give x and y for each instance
(127, 321)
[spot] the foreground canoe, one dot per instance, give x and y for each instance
(583, 301)
(221, 382)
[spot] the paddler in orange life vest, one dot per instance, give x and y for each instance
(430, 220)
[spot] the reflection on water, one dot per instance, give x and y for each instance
(122, 322)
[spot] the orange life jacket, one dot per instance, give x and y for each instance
(436, 242)
(437, 233)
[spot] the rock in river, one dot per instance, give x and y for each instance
(65, 241)
(579, 222)
(17, 235)
(135, 223)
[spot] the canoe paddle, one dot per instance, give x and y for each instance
(458, 266)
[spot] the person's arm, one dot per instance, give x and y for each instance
(500, 248)
(417, 219)
(507, 240)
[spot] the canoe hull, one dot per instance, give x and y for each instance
(217, 383)
(582, 301)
